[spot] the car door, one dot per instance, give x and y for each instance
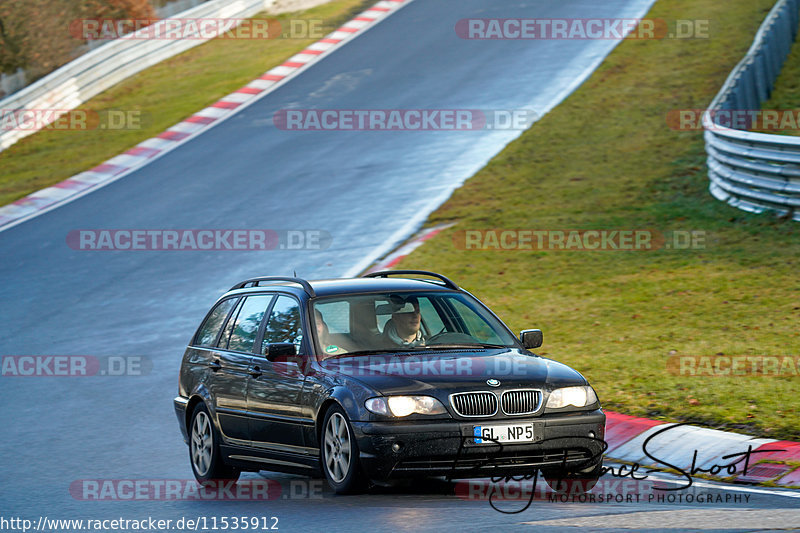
(231, 363)
(275, 389)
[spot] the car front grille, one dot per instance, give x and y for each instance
(474, 403)
(521, 402)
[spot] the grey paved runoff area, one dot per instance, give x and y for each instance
(361, 187)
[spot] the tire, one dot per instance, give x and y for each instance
(339, 453)
(204, 455)
(574, 483)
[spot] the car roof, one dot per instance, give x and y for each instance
(332, 287)
(328, 287)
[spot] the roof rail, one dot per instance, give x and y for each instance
(450, 284)
(255, 281)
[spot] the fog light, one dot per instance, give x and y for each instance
(591, 434)
(395, 447)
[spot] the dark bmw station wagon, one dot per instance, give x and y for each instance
(376, 378)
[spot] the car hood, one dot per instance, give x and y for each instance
(454, 371)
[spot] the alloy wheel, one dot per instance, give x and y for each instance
(202, 443)
(338, 449)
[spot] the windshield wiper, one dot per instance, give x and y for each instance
(460, 345)
(366, 352)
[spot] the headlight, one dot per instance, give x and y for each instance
(577, 396)
(405, 405)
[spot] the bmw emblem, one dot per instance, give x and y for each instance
(493, 382)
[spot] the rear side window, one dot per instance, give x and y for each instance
(207, 333)
(247, 322)
(284, 323)
(226, 331)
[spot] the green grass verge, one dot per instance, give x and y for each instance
(605, 158)
(164, 94)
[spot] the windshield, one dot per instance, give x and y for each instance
(404, 321)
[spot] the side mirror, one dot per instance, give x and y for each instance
(531, 338)
(280, 349)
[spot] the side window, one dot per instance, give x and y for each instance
(226, 332)
(284, 323)
(383, 318)
(336, 316)
(430, 317)
(249, 319)
(477, 326)
(207, 333)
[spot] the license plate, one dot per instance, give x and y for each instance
(503, 434)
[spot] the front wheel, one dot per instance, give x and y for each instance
(204, 454)
(339, 453)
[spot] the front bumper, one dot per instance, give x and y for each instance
(446, 447)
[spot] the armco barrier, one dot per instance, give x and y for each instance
(107, 65)
(756, 171)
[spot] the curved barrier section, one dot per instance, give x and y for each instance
(755, 171)
(97, 70)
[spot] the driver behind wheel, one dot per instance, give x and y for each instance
(403, 329)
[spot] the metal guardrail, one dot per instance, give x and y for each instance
(751, 171)
(98, 70)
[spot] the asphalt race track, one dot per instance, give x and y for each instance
(368, 190)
